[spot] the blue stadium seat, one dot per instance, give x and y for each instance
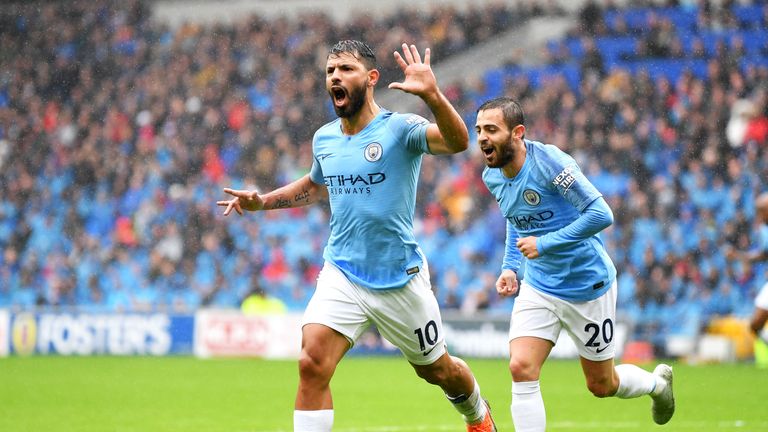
(684, 19)
(749, 16)
(494, 81)
(755, 41)
(637, 18)
(613, 48)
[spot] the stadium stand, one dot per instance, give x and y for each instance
(117, 134)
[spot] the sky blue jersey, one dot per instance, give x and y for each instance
(371, 179)
(548, 194)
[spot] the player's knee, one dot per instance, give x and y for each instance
(314, 368)
(601, 388)
(523, 370)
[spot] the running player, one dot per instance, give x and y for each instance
(367, 162)
(553, 217)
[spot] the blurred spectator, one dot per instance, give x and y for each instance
(257, 302)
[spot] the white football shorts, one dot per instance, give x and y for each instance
(590, 324)
(761, 301)
(408, 317)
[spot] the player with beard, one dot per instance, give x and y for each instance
(367, 162)
(554, 215)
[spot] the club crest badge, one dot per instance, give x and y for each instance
(531, 197)
(373, 152)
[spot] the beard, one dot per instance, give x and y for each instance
(504, 154)
(356, 100)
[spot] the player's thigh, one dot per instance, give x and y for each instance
(592, 325)
(409, 318)
(534, 315)
(336, 305)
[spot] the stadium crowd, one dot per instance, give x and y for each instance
(117, 134)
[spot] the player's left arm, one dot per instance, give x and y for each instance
(595, 218)
(448, 134)
(574, 187)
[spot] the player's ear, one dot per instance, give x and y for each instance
(518, 132)
(373, 77)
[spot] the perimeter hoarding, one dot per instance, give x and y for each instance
(100, 334)
(232, 334)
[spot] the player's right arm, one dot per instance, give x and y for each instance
(299, 193)
(507, 284)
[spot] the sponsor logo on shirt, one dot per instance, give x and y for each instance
(532, 221)
(565, 179)
(353, 184)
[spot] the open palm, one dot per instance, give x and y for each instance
(419, 78)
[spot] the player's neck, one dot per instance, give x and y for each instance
(512, 169)
(354, 124)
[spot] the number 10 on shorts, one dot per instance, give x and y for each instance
(427, 336)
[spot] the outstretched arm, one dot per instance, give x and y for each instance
(296, 194)
(449, 134)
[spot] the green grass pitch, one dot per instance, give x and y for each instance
(169, 394)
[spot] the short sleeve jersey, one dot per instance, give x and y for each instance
(547, 194)
(371, 179)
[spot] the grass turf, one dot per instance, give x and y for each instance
(126, 394)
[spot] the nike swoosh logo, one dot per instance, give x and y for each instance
(324, 156)
(599, 350)
(426, 353)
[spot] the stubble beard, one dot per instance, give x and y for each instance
(355, 104)
(504, 155)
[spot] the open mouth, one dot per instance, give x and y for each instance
(487, 151)
(339, 95)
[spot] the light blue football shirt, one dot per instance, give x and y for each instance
(547, 194)
(371, 179)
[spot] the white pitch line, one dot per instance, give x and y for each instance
(683, 425)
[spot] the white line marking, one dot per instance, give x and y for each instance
(638, 425)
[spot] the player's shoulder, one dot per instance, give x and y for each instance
(331, 128)
(404, 119)
(540, 150)
(547, 157)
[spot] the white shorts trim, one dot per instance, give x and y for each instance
(591, 324)
(408, 317)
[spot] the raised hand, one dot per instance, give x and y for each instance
(242, 200)
(419, 78)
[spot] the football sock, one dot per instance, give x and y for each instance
(472, 407)
(635, 382)
(527, 408)
(313, 421)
